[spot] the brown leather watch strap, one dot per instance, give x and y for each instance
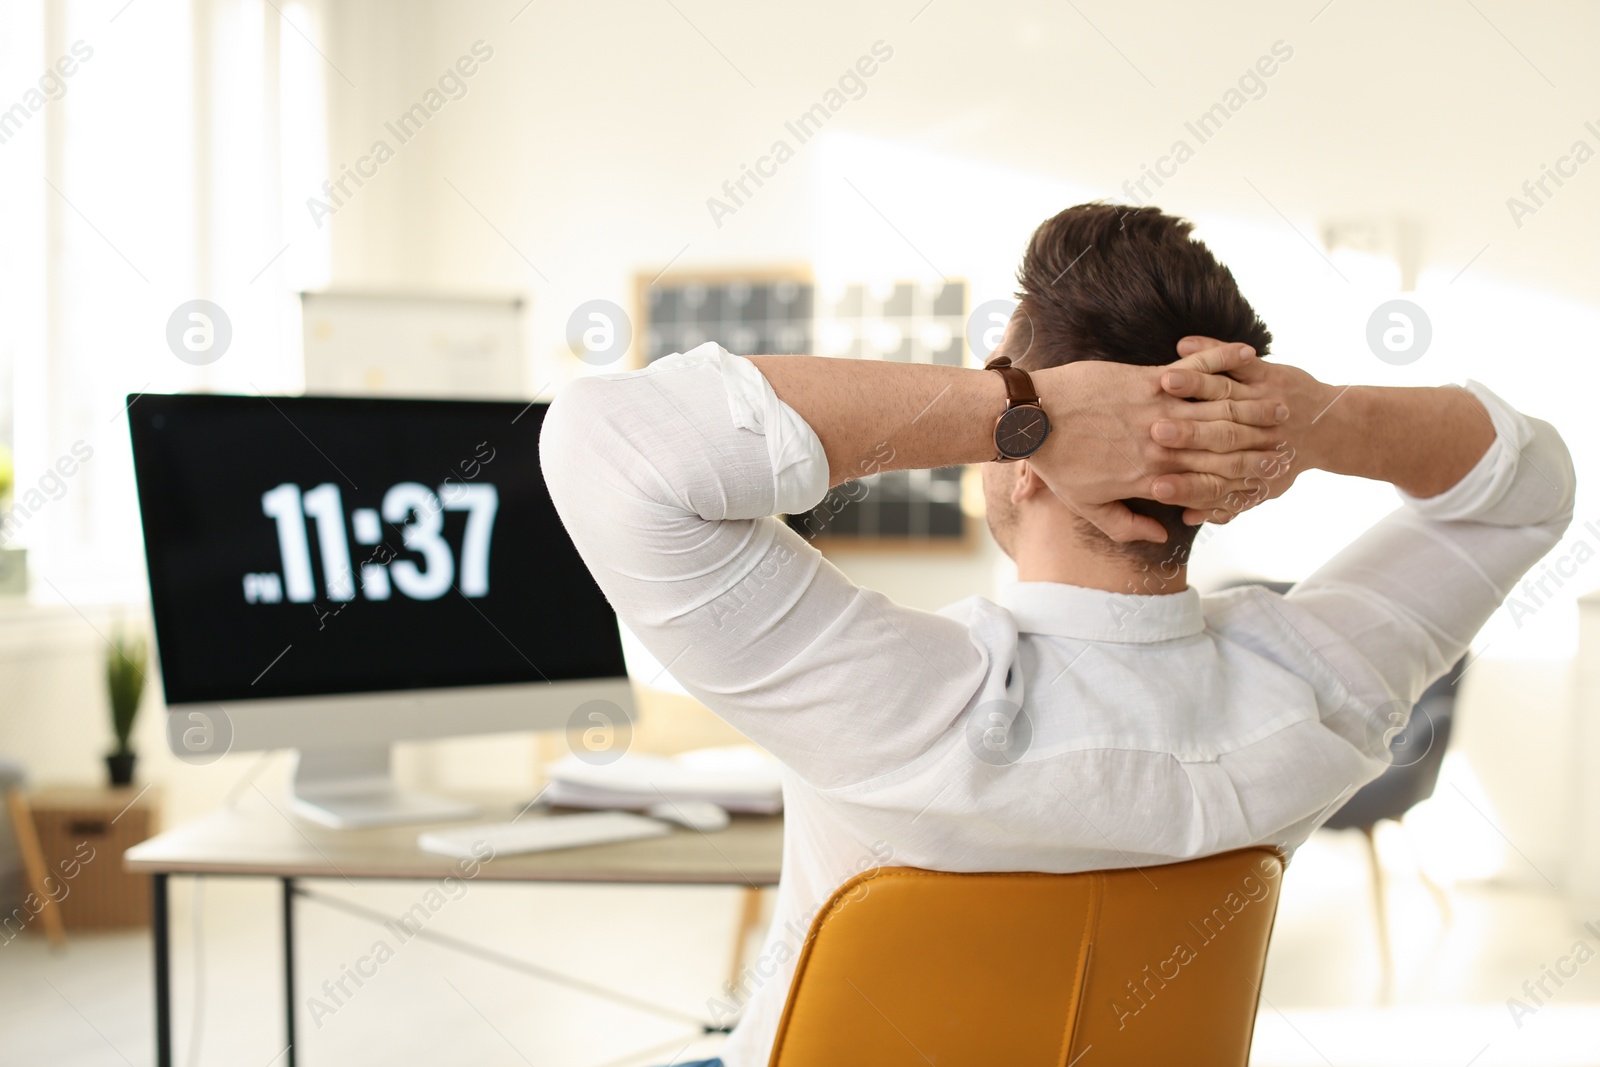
(1019, 383)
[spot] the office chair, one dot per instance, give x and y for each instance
(906, 967)
(1418, 753)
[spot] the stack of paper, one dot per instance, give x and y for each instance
(737, 778)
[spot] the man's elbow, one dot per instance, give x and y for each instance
(1539, 490)
(1551, 457)
(578, 414)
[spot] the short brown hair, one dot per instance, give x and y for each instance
(1125, 284)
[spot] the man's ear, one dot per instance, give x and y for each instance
(1027, 483)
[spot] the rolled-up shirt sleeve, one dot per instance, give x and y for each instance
(667, 480)
(1393, 611)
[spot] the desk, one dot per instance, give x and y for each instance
(259, 838)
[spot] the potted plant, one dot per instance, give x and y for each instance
(125, 664)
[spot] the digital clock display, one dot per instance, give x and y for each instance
(414, 511)
(301, 546)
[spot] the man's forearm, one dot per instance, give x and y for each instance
(930, 416)
(1423, 441)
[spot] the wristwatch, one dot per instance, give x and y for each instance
(1022, 427)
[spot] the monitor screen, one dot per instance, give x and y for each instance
(304, 546)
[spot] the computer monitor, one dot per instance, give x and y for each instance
(335, 574)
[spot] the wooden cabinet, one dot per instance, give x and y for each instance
(83, 833)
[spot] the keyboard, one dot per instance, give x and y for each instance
(543, 833)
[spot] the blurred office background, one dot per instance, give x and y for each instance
(1338, 155)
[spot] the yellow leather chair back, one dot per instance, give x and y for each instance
(1153, 966)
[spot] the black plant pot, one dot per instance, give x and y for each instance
(120, 766)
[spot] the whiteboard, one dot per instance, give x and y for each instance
(406, 344)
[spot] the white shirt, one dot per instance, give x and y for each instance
(1156, 728)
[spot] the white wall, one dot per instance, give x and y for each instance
(605, 126)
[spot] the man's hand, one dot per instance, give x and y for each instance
(1108, 423)
(872, 415)
(1211, 373)
(1422, 441)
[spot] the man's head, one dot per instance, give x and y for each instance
(1100, 281)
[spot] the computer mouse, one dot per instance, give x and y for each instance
(699, 815)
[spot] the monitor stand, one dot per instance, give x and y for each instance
(348, 789)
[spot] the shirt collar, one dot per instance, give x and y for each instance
(1095, 615)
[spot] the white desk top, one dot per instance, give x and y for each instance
(262, 838)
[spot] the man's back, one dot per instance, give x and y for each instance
(1133, 730)
(1156, 729)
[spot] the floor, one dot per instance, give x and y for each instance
(89, 1005)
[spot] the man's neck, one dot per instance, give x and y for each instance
(1091, 569)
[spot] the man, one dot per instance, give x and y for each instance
(1104, 714)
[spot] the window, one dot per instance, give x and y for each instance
(151, 155)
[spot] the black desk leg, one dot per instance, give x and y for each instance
(161, 940)
(288, 968)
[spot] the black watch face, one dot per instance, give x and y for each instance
(1020, 431)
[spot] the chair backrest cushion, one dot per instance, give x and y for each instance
(1143, 966)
